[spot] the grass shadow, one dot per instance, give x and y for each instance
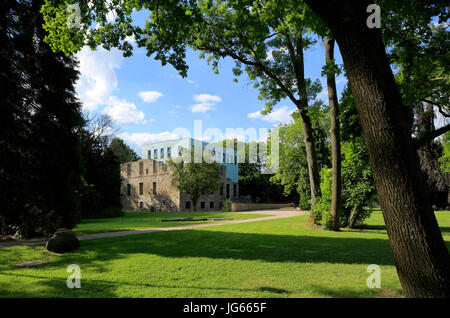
(230, 245)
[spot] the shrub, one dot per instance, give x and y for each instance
(321, 211)
(226, 205)
(358, 187)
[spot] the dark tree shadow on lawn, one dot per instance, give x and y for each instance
(228, 245)
(57, 288)
(95, 255)
(362, 228)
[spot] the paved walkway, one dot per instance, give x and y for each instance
(273, 214)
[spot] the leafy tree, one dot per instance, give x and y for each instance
(256, 182)
(438, 181)
(195, 178)
(445, 159)
(292, 173)
(122, 151)
(253, 177)
(417, 50)
(293, 169)
(40, 162)
(422, 260)
(247, 31)
(100, 191)
(358, 187)
(330, 70)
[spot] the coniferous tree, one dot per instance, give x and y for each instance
(122, 151)
(41, 164)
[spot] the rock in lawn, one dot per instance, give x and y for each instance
(63, 241)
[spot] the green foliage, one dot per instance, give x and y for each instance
(122, 151)
(263, 38)
(101, 180)
(132, 220)
(195, 178)
(321, 211)
(293, 174)
(226, 205)
(266, 40)
(416, 34)
(254, 181)
(445, 159)
(350, 125)
(331, 69)
(240, 258)
(40, 161)
(358, 187)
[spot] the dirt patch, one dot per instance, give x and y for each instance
(5, 238)
(30, 264)
(196, 219)
(387, 294)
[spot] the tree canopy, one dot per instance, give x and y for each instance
(195, 178)
(122, 151)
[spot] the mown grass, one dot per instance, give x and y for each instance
(147, 220)
(272, 258)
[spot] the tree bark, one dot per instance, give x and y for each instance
(336, 187)
(297, 59)
(311, 157)
(419, 251)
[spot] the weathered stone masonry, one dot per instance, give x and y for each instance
(147, 186)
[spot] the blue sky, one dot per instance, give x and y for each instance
(148, 101)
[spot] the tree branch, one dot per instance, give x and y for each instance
(419, 142)
(262, 67)
(439, 106)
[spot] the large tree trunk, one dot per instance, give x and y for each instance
(419, 251)
(336, 187)
(296, 52)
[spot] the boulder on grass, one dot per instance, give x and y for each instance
(63, 241)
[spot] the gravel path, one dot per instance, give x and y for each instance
(273, 215)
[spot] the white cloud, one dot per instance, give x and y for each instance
(98, 79)
(280, 115)
(150, 96)
(202, 108)
(123, 112)
(207, 98)
(206, 102)
(341, 80)
(144, 138)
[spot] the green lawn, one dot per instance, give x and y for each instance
(272, 258)
(146, 220)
